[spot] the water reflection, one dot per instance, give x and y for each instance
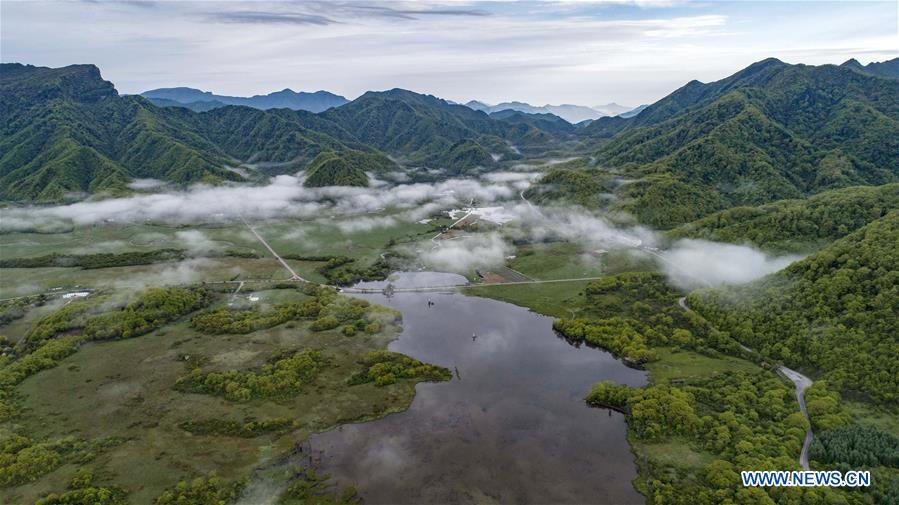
(512, 428)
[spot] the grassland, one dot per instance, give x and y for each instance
(681, 364)
(123, 390)
(213, 250)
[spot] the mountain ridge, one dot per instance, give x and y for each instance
(569, 112)
(317, 101)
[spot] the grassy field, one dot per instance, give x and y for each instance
(24, 281)
(207, 246)
(873, 416)
(562, 260)
(676, 363)
(124, 389)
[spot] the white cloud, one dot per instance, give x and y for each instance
(540, 52)
(699, 263)
(463, 255)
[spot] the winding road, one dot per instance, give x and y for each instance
(800, 381)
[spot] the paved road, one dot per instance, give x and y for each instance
(800, 381)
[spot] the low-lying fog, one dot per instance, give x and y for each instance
(497, 196)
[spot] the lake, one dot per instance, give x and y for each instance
(511, 427)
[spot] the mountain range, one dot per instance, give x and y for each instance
(888, 68)
(572, 113)
(202, 101)
(68, 132)
(770, 131)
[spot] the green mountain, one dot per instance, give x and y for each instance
(423, 127)
(67, 131)
(276, 142)
(769, 132)
(833, 313)
(346, 168)
(797, 225)
(463, 157)
(573, 183)
(549, 123)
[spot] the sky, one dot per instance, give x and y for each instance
(582, 52)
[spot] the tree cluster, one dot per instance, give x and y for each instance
(385, 368)
(281, 378)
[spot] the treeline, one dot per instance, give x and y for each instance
(385, 368)
(282, 378)
(856, 446)
(326, 309)
(630, 293)
(794, 225)
(16, 369)
(836, 311)
(96, 260)
(83, 491)
(741, 420)
(10, 310)
(151, 310)
(341, 271)
(307, 487)
(23, 459)
(211, 490)
(615, 334)
(231, 428)
(248, 320)
(630, 313)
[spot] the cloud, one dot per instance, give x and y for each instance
(261, 17)
(699, 263)
(284, 196)
(463, 255)
(173, 274)
(195, 241)
(411, 14)
(146, 184)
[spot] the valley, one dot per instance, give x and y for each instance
(400, 299)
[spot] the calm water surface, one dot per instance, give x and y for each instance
(512, 428)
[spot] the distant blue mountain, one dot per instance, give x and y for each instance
(285, 99)
(571, 113)
(889, 68)
(633, 112)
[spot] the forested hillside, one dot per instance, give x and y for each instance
(345, 169)
(66, 130)
(796, 225)
(772, 131)
(422, 126)
(835, 313)
(67, 133)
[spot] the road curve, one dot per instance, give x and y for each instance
(800, 381)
